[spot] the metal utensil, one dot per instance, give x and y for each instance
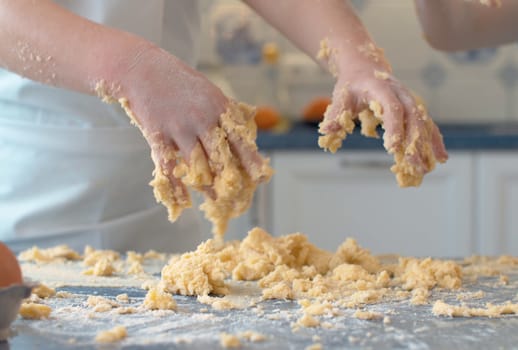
(10, 300)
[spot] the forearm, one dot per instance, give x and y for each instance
(461, 25)
(307, 22)
(44, 42)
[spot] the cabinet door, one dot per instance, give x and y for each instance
(330, 197)
(497, 209)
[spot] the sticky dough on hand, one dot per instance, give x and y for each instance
(419, 144)
(220, 175)
(335, 131)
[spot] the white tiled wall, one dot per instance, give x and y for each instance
(475, 86)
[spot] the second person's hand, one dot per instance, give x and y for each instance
(367, 90)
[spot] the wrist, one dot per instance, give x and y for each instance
(120, 74)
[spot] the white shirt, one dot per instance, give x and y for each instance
(73, 169)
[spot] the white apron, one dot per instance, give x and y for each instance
(72, 169)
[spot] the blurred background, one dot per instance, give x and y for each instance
(467, 87)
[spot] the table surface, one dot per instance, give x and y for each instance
(197, 326)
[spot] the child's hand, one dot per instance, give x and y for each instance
(198, 137)
(366, 89)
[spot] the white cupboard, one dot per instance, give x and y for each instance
(353, 194)
(497, 205)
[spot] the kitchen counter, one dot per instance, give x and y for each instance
(194, 326)
(303, 136)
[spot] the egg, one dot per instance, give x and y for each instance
(10, 272)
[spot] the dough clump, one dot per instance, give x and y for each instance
(290, 267)
(33, 311)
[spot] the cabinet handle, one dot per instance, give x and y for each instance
(365, 163)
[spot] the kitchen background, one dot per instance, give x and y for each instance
(467, 87)
(464, 207)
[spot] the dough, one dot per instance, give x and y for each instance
(229, 340)
(64, 295)
(158, 300)
(135, 268)
(32, 311)
(316, 346)
(367, 315)
(93, 256)
(440, 308)
(252, 336)
(122, 298)
(290, 267)
(61, 252)
(420, 296)
(115, 334)
(42, 291)
(217, 303)
(101, 304)
(315, 308)
(308, 321)
(102, 267)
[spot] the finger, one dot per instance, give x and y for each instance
(338, 121)
(388, 107)
(415, 157)
(241, 133)
(439, 149)
(232, 186)
(196, 172)
(369, 123)
(168, 188)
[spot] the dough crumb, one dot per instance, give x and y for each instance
(43, 292)
(93, 256)
(308, 321)
(316, 346)
(101, 304)
(252, 336)
(113, 335)
(64, 295)
(122, 298)
(229, 340)
(102, 267)
(32, 311)
(154, 255)
(327, 55)
(126, 310)
(157, 299)
(217, 303)
(135, 268)
(60, 253)
(383, 75)
(367, 315)
(440, 308)
(420, 296)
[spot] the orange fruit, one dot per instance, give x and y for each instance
(10, 272)
(314, 111)
(266, 117)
